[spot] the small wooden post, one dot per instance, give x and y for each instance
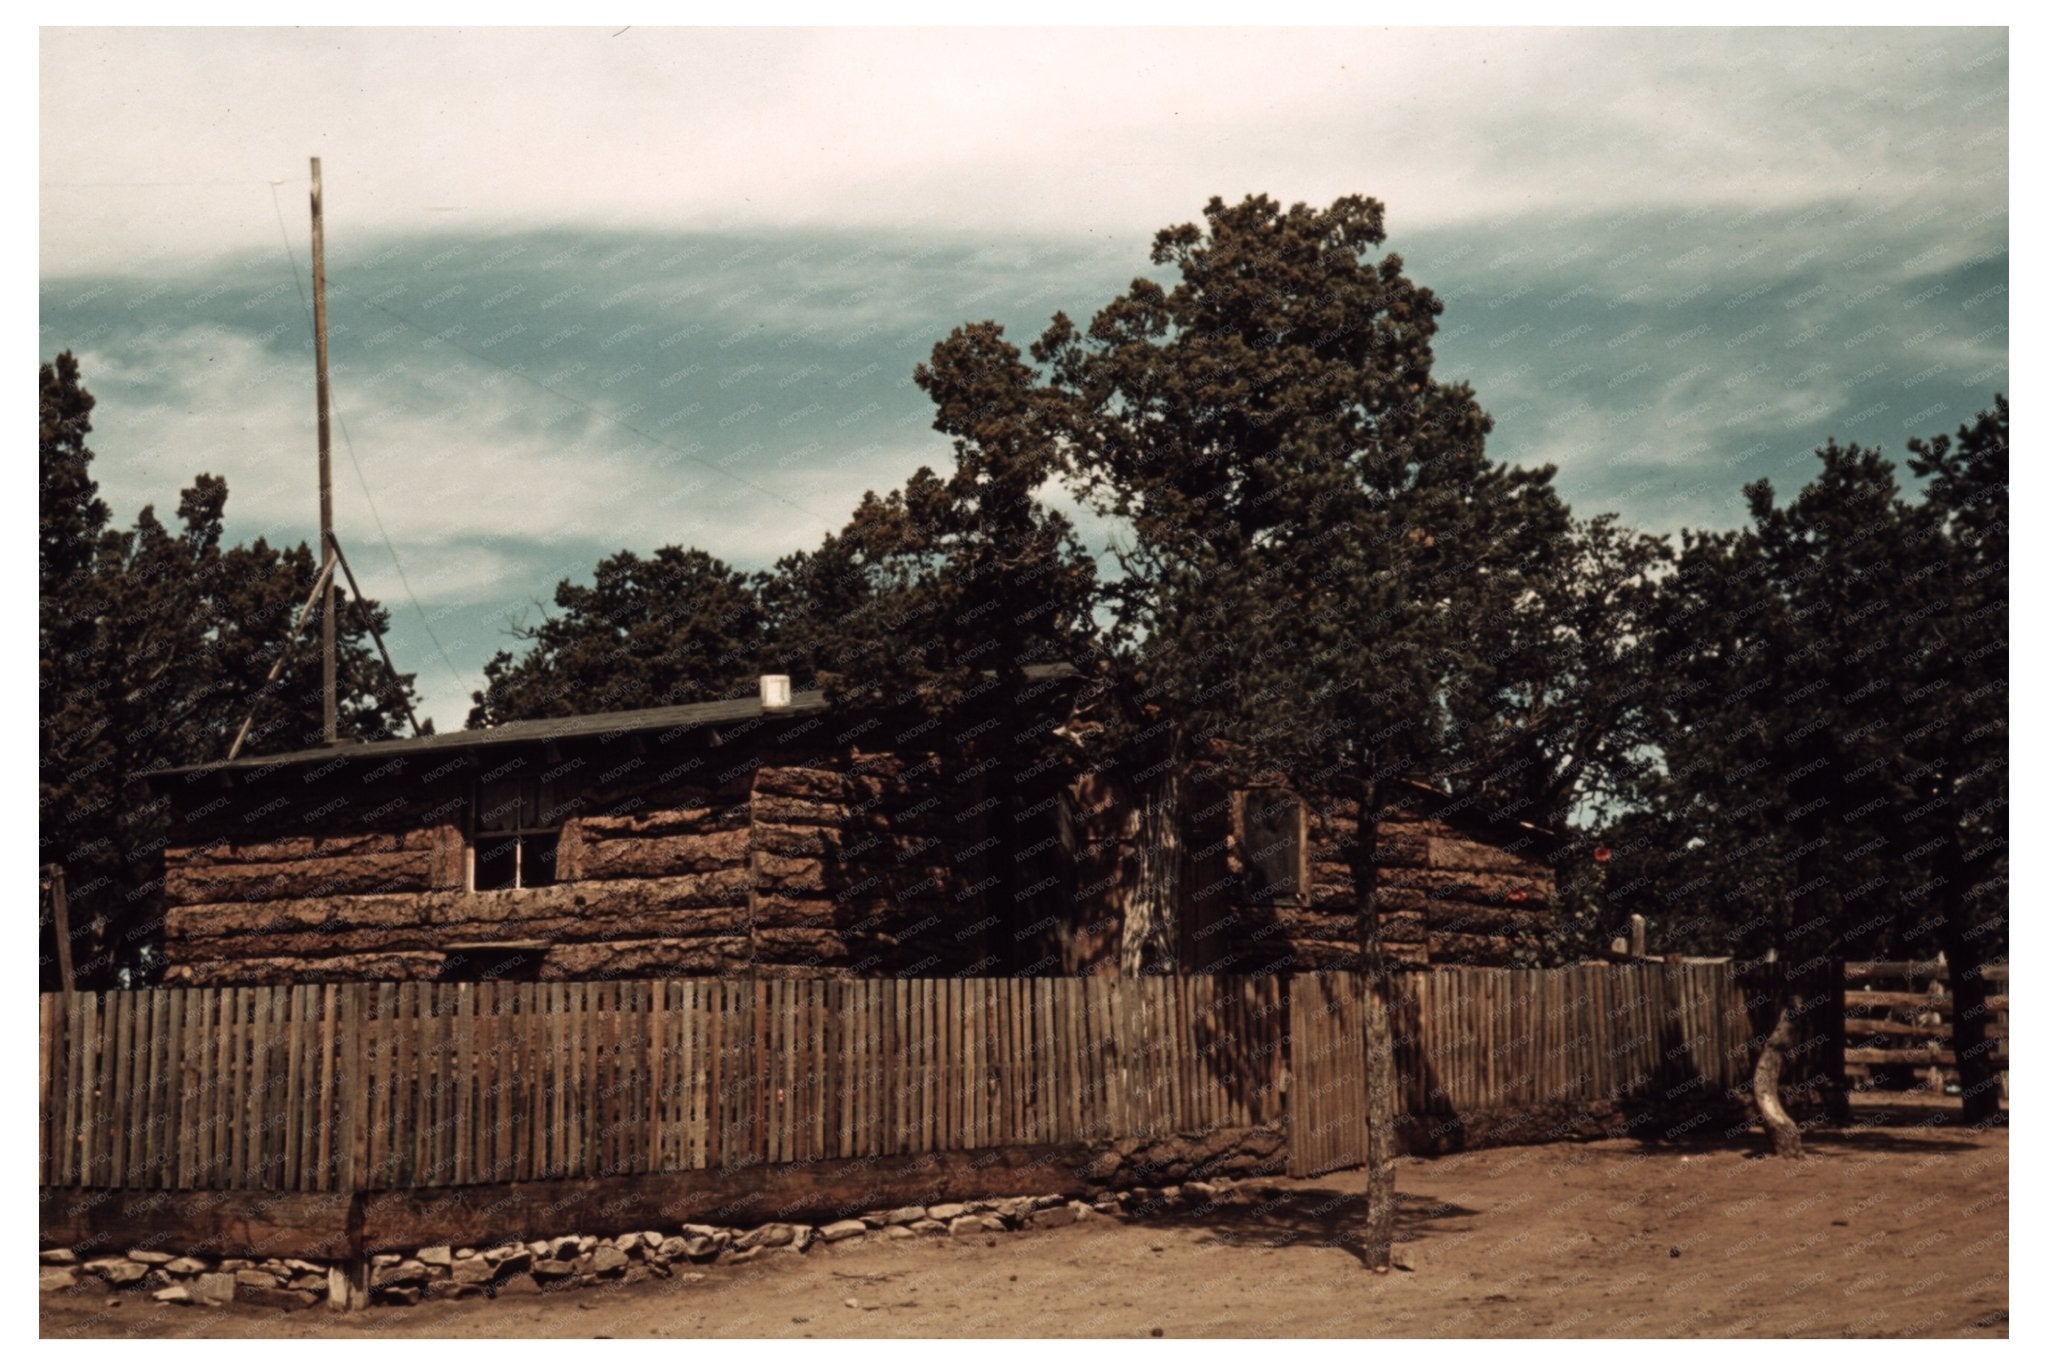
(348, 1285)
(1638, 936)
(60, 917)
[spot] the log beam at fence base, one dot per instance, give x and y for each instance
(1649, 1120)
(254, 1223)
(802, 1192)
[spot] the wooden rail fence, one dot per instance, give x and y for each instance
(1900, 1017)
(396, 1086)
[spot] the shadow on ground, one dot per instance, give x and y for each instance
(1311, 1215)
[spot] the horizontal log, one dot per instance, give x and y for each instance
(1410, 900)
(1401, 848)
(1403, 928)
(812, 947)
(866, 847)
(1896, 1000)
(1920, 1070)
(611, 856)
(278, 971)
(1469, 855)
(701, 816)
(1313, 955)
(1890, 971)
(1472, 950)
(229, 853)
(690, 922)
(1897, 1056)
(251, 1223)
(1453, 917)
(808, 784)
(588, 899)
(647, 957)
(360, 874)
(804, 1192)
(1891, 1028)
(1480, 888)
(790, 810)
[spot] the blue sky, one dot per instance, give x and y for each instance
(593, 292)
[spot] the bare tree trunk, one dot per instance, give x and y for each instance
(1969, 1019)
(1380, 1080)
(1152, 910)
(1770, 1065)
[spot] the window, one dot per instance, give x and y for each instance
(514, 830)
(1272, 838)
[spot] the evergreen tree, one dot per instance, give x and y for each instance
(155, 644)
(1832, 737)
(675, 628)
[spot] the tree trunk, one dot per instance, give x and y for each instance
(1770, 1065)
(1152, 909)
(1976, 1062)
(1380, 1080)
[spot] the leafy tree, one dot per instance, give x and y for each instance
(1317, 540)
(1556, 720)
(155, 644)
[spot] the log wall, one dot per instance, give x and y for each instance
(786, 862)
(1447, 895)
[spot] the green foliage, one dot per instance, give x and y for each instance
(1317, 539)
(1833, 718)
(675, 628)
(155, 642)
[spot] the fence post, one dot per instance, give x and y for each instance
(1835, 1021)
(348, 1284)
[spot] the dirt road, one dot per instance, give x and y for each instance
(1886, 1232)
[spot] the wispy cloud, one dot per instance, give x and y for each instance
(589, 296)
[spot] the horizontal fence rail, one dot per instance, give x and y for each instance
(1900, 1020)
(388, 1086)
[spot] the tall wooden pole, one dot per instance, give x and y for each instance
(327, 704)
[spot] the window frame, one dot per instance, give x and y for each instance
(534, 794)
(1254, 880)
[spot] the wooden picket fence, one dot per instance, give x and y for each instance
(403, 1085)
(1475, 1040)
(392, 1086)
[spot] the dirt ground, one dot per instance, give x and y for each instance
(1894, 1232)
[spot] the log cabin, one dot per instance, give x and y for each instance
(785, 838)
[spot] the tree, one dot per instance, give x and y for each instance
(155, 646)
(1957, 748)
(1831, 745)
(677, 627)
(1317, 540)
